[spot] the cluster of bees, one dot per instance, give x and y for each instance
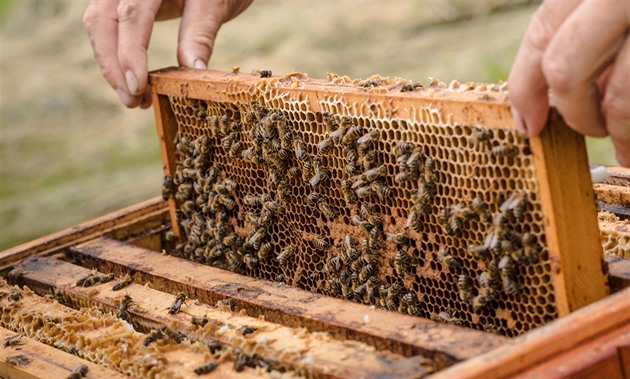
(205, 200)
(355, 267)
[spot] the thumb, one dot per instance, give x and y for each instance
(200, 24)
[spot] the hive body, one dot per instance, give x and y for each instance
(424, 201)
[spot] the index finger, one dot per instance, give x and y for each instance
(527, 85)
(135, 23)
(101, 24)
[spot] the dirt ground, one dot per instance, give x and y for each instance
(70, 152)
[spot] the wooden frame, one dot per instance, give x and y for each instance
(559, 155)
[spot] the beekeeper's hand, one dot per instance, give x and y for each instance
(120, 30)
(576, 57)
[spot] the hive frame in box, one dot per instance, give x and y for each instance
(559, 157)
(589, 342)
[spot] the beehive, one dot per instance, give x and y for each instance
(421, 199)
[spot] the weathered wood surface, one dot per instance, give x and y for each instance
(311, 354)
(33, 359)
(598, 358)
(570, 216)
(118, 224)
(608, 315)
(286, 305)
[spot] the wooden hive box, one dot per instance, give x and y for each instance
(258, 327)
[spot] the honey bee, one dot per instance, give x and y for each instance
(324, 145)
(347, 192)
(411, 87)
(87, 281)
(206, 368)
(13, 341)
(321, 243)
(368, 138)
(334, 286)
(402, 177)
(199, 321)
(367, 271)
(176, 305)
(253, 155)
(106, 278)
(350, 138)
(320, 175)
(294, 172)
(175, 335)
(372, 287)
(123, 308)
(429, 170)
(299, 149)
(516, 204)
(363, 192)
(243, 360)
(214, 346)
(120, 285)
(154, 336)
(273, 207)
(326, 209)
(445, 258)
(235, 149)
(251, 262)
(409, 304)
(264, 251)
(508, 279)
(351, 168)
(414, 221)
(375, 173)
(168, 187)
(505, 150)
(398, 238)
(480, 136)
(391, 297)
(286, 254)
(265, 73)
(256, 237)
(448, 317)
(381, 190)
(464, 288)
(481, 209)
(252, 200)
(530, 248)
(402, 262)
(486, 295)
(78, 372)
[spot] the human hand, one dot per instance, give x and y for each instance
(575, 57)
(119, 31)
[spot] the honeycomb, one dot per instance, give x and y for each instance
(409, 211)
(614, 234)
(106, 340)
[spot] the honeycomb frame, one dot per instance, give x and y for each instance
(423, 265)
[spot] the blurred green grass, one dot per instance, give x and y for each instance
(70, 152)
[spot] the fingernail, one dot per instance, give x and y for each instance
(200, 65)
(132, 83)
(519, 123)
(124, 97)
